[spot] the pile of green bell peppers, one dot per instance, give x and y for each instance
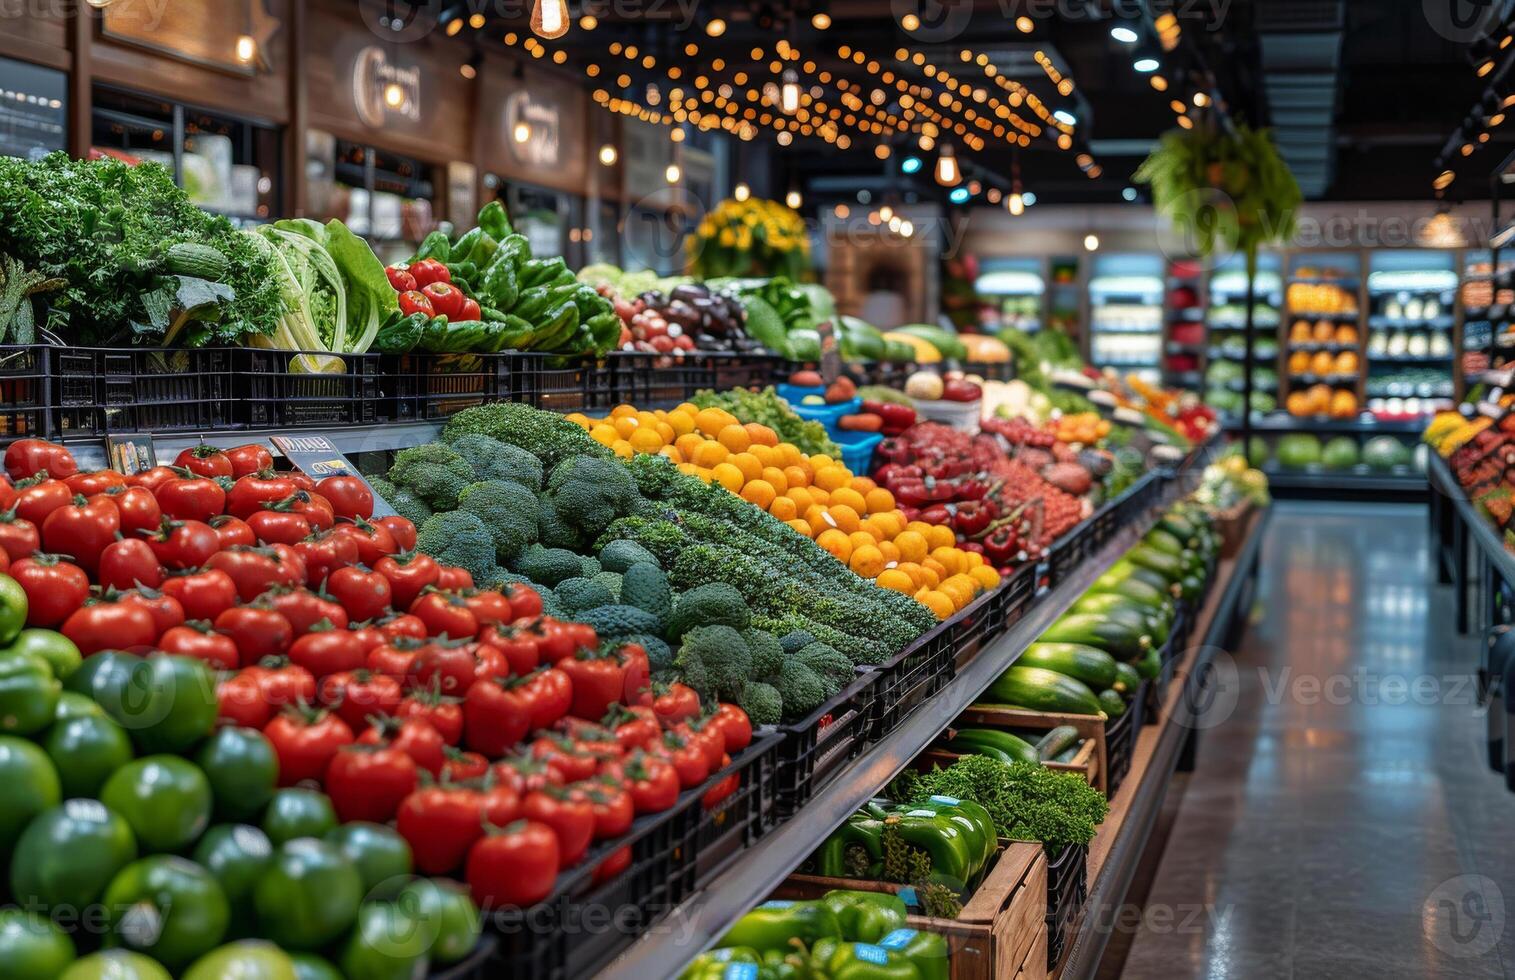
(958, 835)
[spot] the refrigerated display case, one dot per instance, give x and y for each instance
(1126, 314)
(1412, 298)
(1486, 297)
(1184, 320)
(1014, 287)
(1063, 295)
(1225, 334)
(1322, 364)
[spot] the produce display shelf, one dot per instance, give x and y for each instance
(711, 911)
(1281, 422)
(1470, 531)
(1120, 845)
(1350, 484)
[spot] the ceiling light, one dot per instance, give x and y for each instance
(959, 195)
(247, 49)
(793, 200)
(1024, 24)
(993, 195)
(673, 173)
(608, 155)
(549, 18)
(1123, 34)
(1145, 64)
(1065, 117)
(1201, 99)
(841, 211)
(789, 93)
(1129, 193)
(910, 22)
(394, 95)
(716, 27)
(881, 151)
(1091, 242)
(885, 213)
(907, 228)
(468, 71)
(947, 171)
(910, 165)
(741, 192)
(1443, 180)
(1029, 197)
(1016, 204)
(820, 21)
(1159, 83)
(588, 22)
(521, 132)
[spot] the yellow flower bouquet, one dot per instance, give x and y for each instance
(751, 238)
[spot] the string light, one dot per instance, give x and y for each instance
(789, 93)
(247, 49)
(741, 192)
(715, 27)
(821, 21)
(521, 132)
(793, 200)
(549, 18)
(673, 173)
(608, 155)
(588, 22)
(1091, 242)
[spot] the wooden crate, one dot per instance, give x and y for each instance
(997, 933)
(1085, 761)
(1233, 525)
(1090, 727)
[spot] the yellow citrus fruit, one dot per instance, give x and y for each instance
(621, 411)
(775, 476)
(921, 528)
(821, 496)
(623, 449)
(759, 493)
(830, 476)
(862, 484)
(681, 421)
(665, 430)
(734, 438)
(800, 526)
(890, 552)
(748, 464)
(950, 558)
(916, 573)
(971, 560)
(879, 500)
(712, 420)
(801, 497)
(815, 515)
(935, 568)
(849, 497)
(603, 434)
(821, 459)
(688, 443)
(766, 455)
(867, 561)
(625, 425)
(728, 476)
(836, 543)
(845, 517)
(986, 577)
(579, 419)
(689, 469)
(896, 581)
(941, 536)
(761, 435)
(672, 453)
(646, 440)
(912, 545)
(861, 539)
(783, 508)
(941, 606)
(710, 454)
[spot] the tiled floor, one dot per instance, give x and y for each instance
(1341, 822)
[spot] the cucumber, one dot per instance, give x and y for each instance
(1092, 666)
(1164, 542)
(1178, 526)
(1134, 589)
(1191, 586)
(1121, 640)
(990, 741)
(1113, 703)
(1066, 755)
(1120, 608)
(1125, 568)
(1042, 690)
(1170, 567)
(1150, 665)
(199, 261)
(1056, 741)
(1126, 678)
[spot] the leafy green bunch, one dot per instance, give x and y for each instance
(1027, 801)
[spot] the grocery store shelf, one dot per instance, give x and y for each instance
(1483, 535)
(708, 914)
(90, 451)
(1121, 844)
(1279, 422)
(1357, 483)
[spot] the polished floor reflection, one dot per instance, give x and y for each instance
(1341, 822)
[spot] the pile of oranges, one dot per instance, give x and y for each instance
(851, 517)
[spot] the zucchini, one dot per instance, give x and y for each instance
(1138, 591)
(1120, 608)
(1113, 703)
(1150, 665)
(1042, 690)
(1170, 567)
(1164, 542)
(1056, 741)
(1178, 526)
(1191, 586)
(1125, 568)
(992, 742)
(1066, 755)
(1085, 663)
(1121, 640)
(1126, 678)
(194, 259)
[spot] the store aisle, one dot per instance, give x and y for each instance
(1337, 821)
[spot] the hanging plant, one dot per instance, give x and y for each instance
(752, 238)
(1222, 190)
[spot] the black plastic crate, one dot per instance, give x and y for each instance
(1169, 656)
(97, 391)
(563, 384)
(1067, 890)
(477, 965)
(737, 370)
(721, 831)
(909, 678)
(1120, 739)
(815, 749)
(649, 380)
(1080, 543)
(23, 391)
(436, 386)
(982, 621)
(283, 389)
(584, 925)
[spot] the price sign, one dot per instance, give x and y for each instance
(317, 457)
(132, 453)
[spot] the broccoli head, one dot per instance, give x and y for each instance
(508, 509)
(645, 586)
(833, 667)
(589, 493)
(436, 486)
(690, 668)
(552, 530)
(659, 655)
(660, 536)
(591, 566)
(617, 621)
(728, 662)
(762, 703)
(433, 454)
(767, 654)
(460, 538)
(796, 641)
(620, 555)
(545, 435)
(549, 566)
(800, 688)
(492, 459)
(580, 594)
(712, 604)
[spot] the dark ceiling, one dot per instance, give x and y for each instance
(1362, 94)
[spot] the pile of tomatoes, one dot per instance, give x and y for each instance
(502, 743)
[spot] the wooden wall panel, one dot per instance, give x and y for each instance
(34, 37)
(551, 99)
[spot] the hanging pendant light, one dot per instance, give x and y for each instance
(947, 172)
(1016, 203)
(549, 18)
(789, 93)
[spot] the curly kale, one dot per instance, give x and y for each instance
(547, 436)
(1027, 801)
(663, 538)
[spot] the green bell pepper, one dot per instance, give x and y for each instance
(837, 960)
(482, 251)
(954, 858)
(531, 303)
(515, 249)
(495, 222)
(713, 965)
(865, 917)
(773, 924)
(928, 951)
(540, 272)
(556, 326)
(400, 333)
(464, 275)
(853, 847)
(974, 820)
(435, 246)
(604, 332)
(499, 287)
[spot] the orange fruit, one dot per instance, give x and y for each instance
(879, 500)
(830, 476)
(876, 530)
(766, 455)
(890, 552)
(971, 560)
(623, 449)
(821, 459)
(734, 438)
(849, 497)
(625, 425)
(950, 558)
(775, 476)
(921, 528)
(836, 543)
(710, 454)
(748, 464)
(986, 577)
(797, 476)
(936, 568)
(800, 526)
(941, 536)
(728, 476)
(801, 497)
(761, 435)
(672, 453)
(579, 419)
(688, 443)
(689, 469)
(895, 580)
(646, 440)
(821, 496)
(939, 604)
(604, 434)
(912, 545)
(845, 517)
(913, 570)
(665, 430)
(862, 539)
(681, 421)
(621, 411)
(867, 561)
(783, 508)
(712, 420)
(789, 453)
(862, 484)
(759, 493)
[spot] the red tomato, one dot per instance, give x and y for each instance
(488, 606)
(488, 663)
(495, 718)
(305, 610)
(111, 624)
(515, 866)
(519, 649)
(284, 683)
(254, 570)
(327, 651)
(598, 682)
(524, 601)
(205, 460)
(324, 552)
(373, 540)
(165, 609)
(446, 615)
(8, 494)
(611, 804)
(28, 457)
(314, 508)
(637, 687)
(428, 271)
(723, 787)
(408, 574)
(444, 713)
(676, 703)
(90, 484)
(415, 301)
(279, 526)
(633, 730)
(203, 594)
(350, 496)
(184, 544)
(401, 529)
(249, 458)
(197, 639)
(561, 752)
(687, 757)
(446, 667)
(233, 531)
(523, 774)
(251, 492)
(240, 702)
(400, 278)
(571, 820)
(191, 497)
(18, 536)
(709, 737)
(547, 693)
(138, 508)
(402, 624)
(735, 725)
(305, 741)
(395, 657)
(470, 765)
(40, 496)
(469, 310)
(610, 867)
(445, 298)
(414, 736)
(652, 781)
(355, 695)
(151, 479)
(454, 579)
(258, 632)
(441, 824)
(54, 588)
(368, 782)
(364, 594)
